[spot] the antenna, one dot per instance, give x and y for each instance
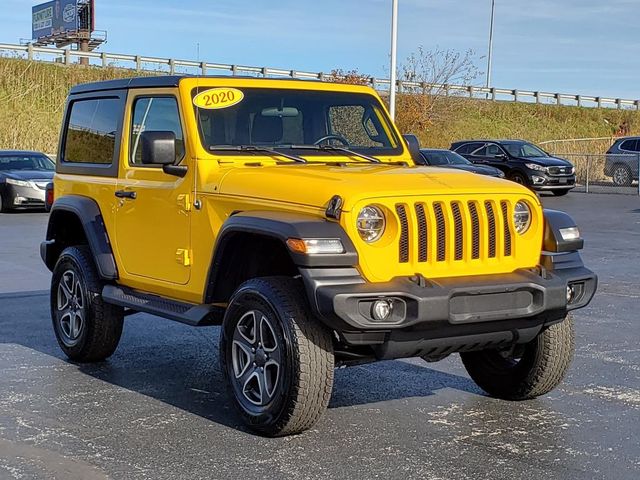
(196, 203)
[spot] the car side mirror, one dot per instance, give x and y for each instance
(159, 148)
(413, 144)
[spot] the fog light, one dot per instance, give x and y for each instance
(571, 293)
(537, 179)
(381, 310)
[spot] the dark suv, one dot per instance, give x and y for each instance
(522, 162)
(623, 160)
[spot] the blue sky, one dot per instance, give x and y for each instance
(589, 47)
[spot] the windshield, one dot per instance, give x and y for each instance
(445, 158)
(284, 120)
(526, 150)
(456, 159)
(26, 162)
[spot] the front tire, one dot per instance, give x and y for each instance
(87, 328)
(4, 208)
(534, 369)
(277, 359)
(519, 178)
(561, 193)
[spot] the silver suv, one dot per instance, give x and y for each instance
(621, 163)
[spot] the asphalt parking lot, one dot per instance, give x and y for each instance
(158, 409)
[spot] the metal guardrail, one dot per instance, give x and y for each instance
(606, 173)
(172, 65)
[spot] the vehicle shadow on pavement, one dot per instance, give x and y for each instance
(179, 365)
(393, 380)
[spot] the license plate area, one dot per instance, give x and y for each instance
(490, 306)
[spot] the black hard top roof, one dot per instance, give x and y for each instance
(155, 81)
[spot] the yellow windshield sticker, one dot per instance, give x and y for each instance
(216, 98)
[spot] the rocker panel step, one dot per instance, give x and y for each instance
(188, 313)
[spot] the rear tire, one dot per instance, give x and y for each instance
(535, 370)
(622, 176)
(277, 359)
(561, 193)
(87, 328)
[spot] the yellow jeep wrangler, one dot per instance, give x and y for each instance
(292, 214)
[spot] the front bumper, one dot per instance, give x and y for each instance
(544, 181)
(18, 196)
(511, 307)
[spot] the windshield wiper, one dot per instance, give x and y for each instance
(256, 149)
(333, 148)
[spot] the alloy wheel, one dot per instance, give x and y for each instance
(70, 308)
(256, 358)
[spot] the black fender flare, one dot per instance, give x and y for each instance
(87, 211)
(553, 241)
(281, 226)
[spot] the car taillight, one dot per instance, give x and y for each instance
(48, 196)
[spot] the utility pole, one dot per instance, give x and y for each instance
(490, 55)
(394, 42)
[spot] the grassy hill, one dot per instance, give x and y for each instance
(32, 97)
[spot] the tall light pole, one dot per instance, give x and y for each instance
(490, 55)
(394, 42)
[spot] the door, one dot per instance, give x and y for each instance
(153, 214)
(495, 156)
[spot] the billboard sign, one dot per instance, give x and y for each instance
(54, 18)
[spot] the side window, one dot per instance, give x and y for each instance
(349, 121)
(493, 150)
(480, 152)
(629, 145)
(91, 131)
(154, 114)
(468, 148)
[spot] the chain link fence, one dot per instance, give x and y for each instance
(605, 173)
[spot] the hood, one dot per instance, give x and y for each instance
(28, 174)
(314, 185)
(482, 169)
(547, 161)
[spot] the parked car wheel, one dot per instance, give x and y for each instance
(530, 370)
(3, 208)
(518, 178)
(622, 176)
(277, 359)
(560, 193)
(87, 328)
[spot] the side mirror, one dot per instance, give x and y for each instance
(159, 148)
(414, 148)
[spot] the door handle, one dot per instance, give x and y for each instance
(126, 194)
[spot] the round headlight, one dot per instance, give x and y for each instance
(370, 223)
(521, 217)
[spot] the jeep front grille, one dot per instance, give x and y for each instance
(453, 231)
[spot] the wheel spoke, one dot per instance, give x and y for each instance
(78, 294)
(267, 335)
(242, 357)
(67, 283)
(252, 388)
(63, 298)
(77, 325)
(65, 322)
(247, 327)
(271, 376)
